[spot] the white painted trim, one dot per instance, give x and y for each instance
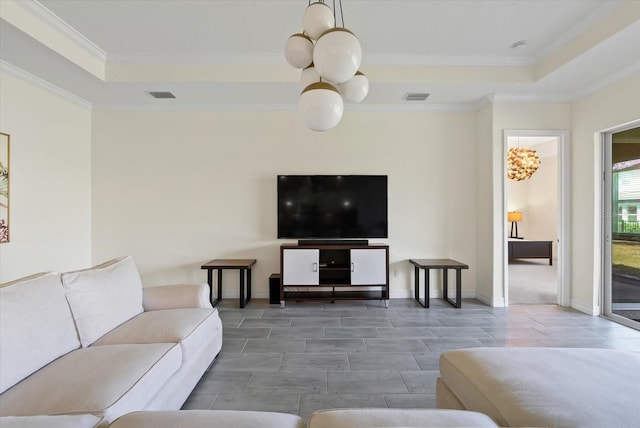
(564, 210)
(593, 310)
(605, 82)
(171, 105)
(43, 84)
(74, 36)
(592, 19)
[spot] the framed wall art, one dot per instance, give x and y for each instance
(4, 187)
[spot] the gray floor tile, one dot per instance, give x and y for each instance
(233, 345)
(282, 344)
(296, 332)
(418, 332)
(365, 322)
(245, 333)
(222, 382)
(377, 361)
(199, 402)
(427, 360)
(316, 322)
(263, 402)
(350, 332)
(248, 362)
(265, 322)
(365, 382)
(413, 322)
(310, 361)
(395, 345)
(460, 332)
(309, 382)
(421, 382)
(335, 345)
(311, 403)
(411, 401)
(443, 345)
(313, 355)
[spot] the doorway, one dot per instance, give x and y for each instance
(535, 266)
(621, 295)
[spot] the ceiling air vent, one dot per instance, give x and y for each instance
(416, 96)
(162, 95)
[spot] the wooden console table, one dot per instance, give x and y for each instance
(242, 265)
(445, 265)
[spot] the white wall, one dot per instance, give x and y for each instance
(175, 189)
(50, 180)
(613, 106)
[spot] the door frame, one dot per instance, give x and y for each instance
(564, 209)
(606, 155)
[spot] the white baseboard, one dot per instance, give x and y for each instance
(593, 310)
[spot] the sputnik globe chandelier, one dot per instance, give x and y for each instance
(329, 57)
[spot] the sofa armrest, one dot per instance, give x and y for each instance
(176, 296)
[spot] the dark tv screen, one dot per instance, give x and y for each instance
(332, 206)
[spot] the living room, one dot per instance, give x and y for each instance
(176, 185)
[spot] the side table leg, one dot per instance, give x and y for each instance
(219, 285)
(458, 288)
(248, 285)
(445, 284)
(210, 281)
(416, 283)
(241, 288)
(427, 287)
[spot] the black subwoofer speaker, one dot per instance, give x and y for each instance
(274, 288)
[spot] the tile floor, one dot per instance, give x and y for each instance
(312, 356)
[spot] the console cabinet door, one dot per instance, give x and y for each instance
(300, 267)
(369, 267)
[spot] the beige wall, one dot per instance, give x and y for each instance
(613, 106)
(50, 180)
(175, 189)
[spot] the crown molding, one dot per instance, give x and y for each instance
(39, 11)
(43, 84)
(607, 81)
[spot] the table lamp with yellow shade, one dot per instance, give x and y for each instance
(514, 217)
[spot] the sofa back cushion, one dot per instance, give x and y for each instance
(103, 297)
(36, 326)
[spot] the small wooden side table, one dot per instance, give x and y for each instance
(243, 265)
(445, 265)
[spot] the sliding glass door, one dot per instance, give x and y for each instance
(622, 230)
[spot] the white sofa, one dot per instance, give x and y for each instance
(95, 342)
(555, 387)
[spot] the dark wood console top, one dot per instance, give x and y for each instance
(438, 263)
(229, 264)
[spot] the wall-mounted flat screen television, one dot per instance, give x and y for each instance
(332, 206)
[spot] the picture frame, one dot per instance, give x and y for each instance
(5, 140)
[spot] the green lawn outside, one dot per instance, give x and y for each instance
(625, 256)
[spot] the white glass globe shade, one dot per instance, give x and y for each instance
(337, 55)
(308, 76)
(298, 50)
(317, 19)
(321, 106)
(355, 89)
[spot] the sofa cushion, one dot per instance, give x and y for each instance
(370, 418)
(106, 381)
(58, 421)
(184, 326)
(208, 419)
(36, 326)
(546, 386)
(103, 297)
